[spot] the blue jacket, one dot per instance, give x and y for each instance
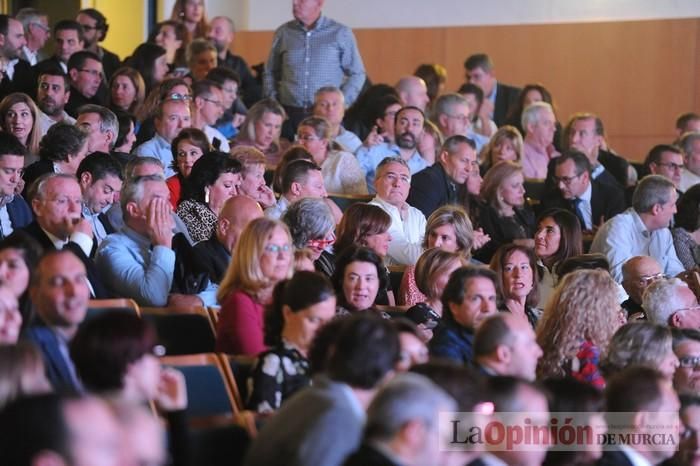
(452, 341)
(59, 369)
(19, 212)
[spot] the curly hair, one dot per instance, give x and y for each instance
(580, 309)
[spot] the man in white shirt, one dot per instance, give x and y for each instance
(36, 32)
(51, 97)
(407, 228)
(690, 174)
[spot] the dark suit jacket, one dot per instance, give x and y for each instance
(56, 365)
(506, 96)
(34, 171)
(614, 164)
(214, 256)
(34, 230)
(110, 63)
(19, 212)
(430, 189)
(367, 455)
(606, 201)
(613, 458)
(22, 80)
(77, 100)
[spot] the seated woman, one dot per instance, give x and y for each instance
(505, 215)
(530, 94)
(151, 62)
(576, 327)
(116, 355)
(506, 145)
(312, 227)
(126, 137)
(366, 225)
(187, 147)
(558, 237)
(262, 257)
(262, 128)
(21, 372)
(127, 91)
(432, 272)
(171, 35)
(61, 150)
(18, 116)
(640, 344)
(215, 177)
(686, 231)
(359, 275)
(253, 182)
(300, 306)
(515, 267)
(449, 229)
(341, 171)
(19, 254)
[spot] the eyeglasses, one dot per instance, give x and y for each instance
(672, 166)
(176, 96)
(462, 118)
(307, 137)
(276, 248)
(94, 73)
(689, 362)
(215, 102)
(567, 180)
(646, 280)
(322, 243)
(41, 26)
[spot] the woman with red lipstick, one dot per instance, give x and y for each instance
(188, 146)
(515, 268)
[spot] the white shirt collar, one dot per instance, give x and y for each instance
(586, 196)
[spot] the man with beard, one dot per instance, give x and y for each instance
(408, 128)
(86, 75)
(11, 42)
(52, 96)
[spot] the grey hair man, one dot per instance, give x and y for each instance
(539, 123)
(36, 33)
(671, 302)
(102, 127)
(329, 103)
(403, 423)
(642, 230)
(690, 173)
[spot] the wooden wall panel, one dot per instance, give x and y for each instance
(638, 75)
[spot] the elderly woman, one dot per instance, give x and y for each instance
(506, 145)
(576, 327)
(300, 306)
(187, 147)
(686, 231)
(127, 90)
(359, 276)
(505, 215)
(262, 258)
(558, 237)
(311, 225)
(215, 177)
(253, 175)
(640, 344)
(18, 116)
(516, 269)
(261, 129)
(341, 171)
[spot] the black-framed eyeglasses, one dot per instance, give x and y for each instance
(689, 362)
(671, 165)
(567, 180)
(95, 73)
(215, 102)
(41, 26)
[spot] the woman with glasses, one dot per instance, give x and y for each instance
(215, 177)
(300, 307)
(504, 215)
(262, 258)
(187, 147)
(18, 116)
(341, 171)
(359, 276)
(312, 227)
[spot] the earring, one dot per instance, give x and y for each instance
(206, 195)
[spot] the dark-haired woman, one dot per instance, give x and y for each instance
(300, 306)
(359, 277)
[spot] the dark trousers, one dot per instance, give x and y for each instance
(294, 116)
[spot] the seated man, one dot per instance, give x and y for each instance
(666, 160)
(60, 295)
(14, 211)
(690, 174)
(592, 201)
(57, 203)
(687, 123)
(139, 261)
(329, 103)
(51, 98)
(505, 344)
(407, 223)
(642, 230)
(413, 92)
(498, 96)
(637, 274)
(452, 118)
(686, 346)
(101, 125)
(403, 424)
(468, 299)
(408, 128)
(669, 301)
(441, 183)
(301, 179)
(171, 116)
(85, 73)
(322, 424)
(207, 108)
(215, 252)
(539, 123)
(100, 178)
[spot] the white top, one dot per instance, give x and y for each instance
(405, 246)
(688, 180)
(5, 222)
(625, 236)
(215, 133)
(342, 174)
(46, 122)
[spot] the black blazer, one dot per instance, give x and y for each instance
(506, 96)
(57, 367)
(214, 256)
(614, 164)
(366, 455)
(35, 231)
(430, 189)
(21, 81)
(614, 458)
(606, 201)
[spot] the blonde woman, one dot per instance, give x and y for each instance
(577, 325)
(262, 128)
(505, 145)
(262, 257)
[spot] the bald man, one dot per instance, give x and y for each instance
(637, 274)
(413, 92)
(216, 252)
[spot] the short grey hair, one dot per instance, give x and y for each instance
(328, 90)
(533, 112)
(134, 190)
(28, 16)
(444, 103)
(38, 189)
(395, 159)
(687, 141)
(651, 190)
(309, 218)
(108, 120)
(407, 397)
(139, 161)
(660, 300)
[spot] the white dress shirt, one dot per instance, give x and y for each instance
(407, 234)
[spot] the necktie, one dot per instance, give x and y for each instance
(579, 213)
